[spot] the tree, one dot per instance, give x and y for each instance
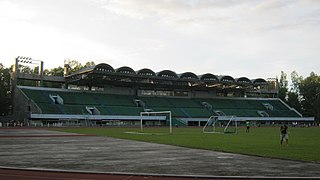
(53, 72)
(310, 92)
(296, 81)
(283, 86)
(293, 97)
(25, 69)
(5, 93)
(59, 71)
(293, 101)
(56, 71)
(88, 64)
(75, 66)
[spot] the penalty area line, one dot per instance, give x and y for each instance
(142, 133)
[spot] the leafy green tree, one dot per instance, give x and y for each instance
(88, 64)
(5, 93)
(296, 81)
(75, 65)
(25, 69)
(310, 92)
(46, 72)
(55, 71)
(59, 71)
(293, 100)
(283, 86)
(293, 95)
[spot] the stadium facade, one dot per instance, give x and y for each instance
(102, 95)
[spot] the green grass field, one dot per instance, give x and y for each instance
(304, 143)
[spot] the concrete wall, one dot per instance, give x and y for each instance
(23, 107)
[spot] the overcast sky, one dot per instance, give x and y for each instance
(252, 38)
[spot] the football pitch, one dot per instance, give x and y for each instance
(304, 143)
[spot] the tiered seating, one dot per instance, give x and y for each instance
(49, 108)
(221, 103)
(37, 96)
(282, 113)
(197, 112)
(109, 104)
(176, 112)
(257, 104)
(277, 105)
(156, 102)
(252, 113)
(105, 110)
(122, 110)
(184, 103)
(74, 109)
(77, 98)
(241, 104)
(178, 106)
(250, 107)
(241, 112)
(114, 100)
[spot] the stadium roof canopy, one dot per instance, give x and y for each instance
(125, 70)
(208, 77)
(146, 72)
(243, 80)
(226, 79)
(188, 75)
(100, 67)
(102, 74)
(259, 81)
(104, 67)
(167, 74)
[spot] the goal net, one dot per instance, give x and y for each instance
(221, 124)
(150, 121)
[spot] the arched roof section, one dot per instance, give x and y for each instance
(209, 77)
(188, 75)
(125, 70)
(103, 67)
(167, 74)
(146, 72)
(259, 81)
(243, 80)
(226, 79)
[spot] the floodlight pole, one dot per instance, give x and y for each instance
(29, 60)
(15, 76)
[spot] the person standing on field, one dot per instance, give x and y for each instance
(284, 134)
(248, 126)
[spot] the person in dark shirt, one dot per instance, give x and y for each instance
(284, 134)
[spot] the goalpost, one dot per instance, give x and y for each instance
(221, 124)
(156, 115)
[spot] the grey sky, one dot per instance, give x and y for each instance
(255, 38)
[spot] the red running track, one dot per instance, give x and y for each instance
(20, 174)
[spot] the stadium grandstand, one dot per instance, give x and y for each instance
(101, 95)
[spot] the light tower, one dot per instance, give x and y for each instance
(26, 61)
